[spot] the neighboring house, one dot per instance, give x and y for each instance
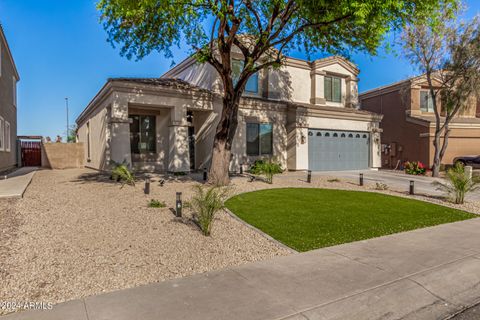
(304, 115)
(409, 124)
(8, 106)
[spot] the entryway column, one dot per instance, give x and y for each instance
(179, 158)
(119, 134)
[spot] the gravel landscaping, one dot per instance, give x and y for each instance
(76, 233)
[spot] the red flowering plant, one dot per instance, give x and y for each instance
(415, 168)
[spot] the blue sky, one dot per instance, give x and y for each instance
(60, 50)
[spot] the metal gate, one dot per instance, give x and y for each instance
(31, 153)
(338, 150)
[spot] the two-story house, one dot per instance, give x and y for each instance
(304, 115)
(409, 123)
(8, 106)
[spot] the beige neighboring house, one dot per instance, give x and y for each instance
(305, 115)
(8, 106)
(409, 124)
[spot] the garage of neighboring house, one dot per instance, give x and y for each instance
(338, 150)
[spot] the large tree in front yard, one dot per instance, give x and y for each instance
(263, 31)
(448, 54)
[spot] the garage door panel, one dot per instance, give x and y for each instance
(337, 150)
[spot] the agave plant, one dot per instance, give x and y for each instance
(206, 202)
(458, 183)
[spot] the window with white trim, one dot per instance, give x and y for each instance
(252, 83)
(2, 134)
(7, 136)
(259, 139)
(426, 101)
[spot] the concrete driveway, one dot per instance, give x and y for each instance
(395, 180)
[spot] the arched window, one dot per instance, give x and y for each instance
(364, 136)
(310, 133)
(343, 135)
(327, 134)
(335, 135)
(319, 134)
(350, 135)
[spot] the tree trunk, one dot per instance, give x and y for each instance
(222, 144)
(436, 155)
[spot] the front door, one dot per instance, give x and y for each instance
(191, 146)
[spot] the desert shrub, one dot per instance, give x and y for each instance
(268, 168)
(381, 186)
(414, 167)
(206, 202)
(156, 204)
(123, 174)
(458, 183)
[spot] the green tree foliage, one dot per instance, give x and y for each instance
(263, 31)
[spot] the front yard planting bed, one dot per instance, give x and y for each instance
(307, 218)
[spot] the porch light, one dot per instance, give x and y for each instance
(309, 176)
(361, 179)
(146, 190)
(178, 205)
(412, 187)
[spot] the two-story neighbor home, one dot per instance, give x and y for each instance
(8, 106)
(409, 124)
(304, 115)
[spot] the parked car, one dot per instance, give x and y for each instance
(473, 161)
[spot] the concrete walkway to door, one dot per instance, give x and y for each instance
(15, 183)
(422, 274)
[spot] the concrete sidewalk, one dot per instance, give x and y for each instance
(423, 274)
(16, 183)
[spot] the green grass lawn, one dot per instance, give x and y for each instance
(306, 218)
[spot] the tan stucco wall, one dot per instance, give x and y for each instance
(98, 139)
(63, 155)
(8, 111)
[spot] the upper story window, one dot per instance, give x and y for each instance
(142, 134)
(252, 83)
(333, 89)
(259, 139)
(426, 101)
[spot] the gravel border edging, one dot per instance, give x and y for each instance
(268, 237)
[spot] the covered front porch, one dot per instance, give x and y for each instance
(160, 130)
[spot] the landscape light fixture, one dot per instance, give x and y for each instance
(147, 186)
(412, 187)
(361, 179)
(309, 176)
(178, 205)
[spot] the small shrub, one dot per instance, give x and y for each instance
(415, 168)
(156, 204)
(458, 183)
(267, 168)
(381, 186)
(333, 180)
(206, 202)
(121, 173)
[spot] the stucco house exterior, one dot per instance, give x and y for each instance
(409, 123)
(303, 115)
(8, 106)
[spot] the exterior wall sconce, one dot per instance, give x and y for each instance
(303, 139)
